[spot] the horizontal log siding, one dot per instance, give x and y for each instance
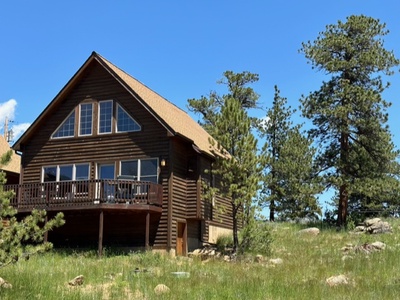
(97, 85)
(179, 193)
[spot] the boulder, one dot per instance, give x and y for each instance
(276, 261)
(78, 280)
(337, 280)
(161, 289)
(5, 284)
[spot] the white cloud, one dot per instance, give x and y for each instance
(19, 129)
(7, 110)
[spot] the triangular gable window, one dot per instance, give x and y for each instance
(125, 123)
(67, 128)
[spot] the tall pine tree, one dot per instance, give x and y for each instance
(290, 184)
(237, 162)
(348, 111)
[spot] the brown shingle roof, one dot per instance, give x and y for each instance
(15, 163)
(172, 116)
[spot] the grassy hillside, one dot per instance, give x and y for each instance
(306, 262)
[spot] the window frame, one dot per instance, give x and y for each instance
(129, 115)
(62, 124)
(65, 165)
(99, 117)
(80, 119)
(139, 168)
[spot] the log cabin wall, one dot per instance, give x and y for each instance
(95, 85)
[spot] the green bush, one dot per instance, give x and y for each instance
(256, 238)
(224, 242)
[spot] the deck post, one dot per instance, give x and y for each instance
(147, 238)
(101, 223)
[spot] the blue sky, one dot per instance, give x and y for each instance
(177, 48)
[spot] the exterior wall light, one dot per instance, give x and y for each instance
(163, 162)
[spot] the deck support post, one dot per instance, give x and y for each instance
(147, 238)
(101, 223)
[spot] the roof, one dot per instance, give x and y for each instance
(176, 120)
(15, 163)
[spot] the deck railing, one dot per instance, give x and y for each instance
(70, 194)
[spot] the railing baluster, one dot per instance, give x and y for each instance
(51, 195)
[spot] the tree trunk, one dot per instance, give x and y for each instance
(235, 229)
(343, 189)
(272, 211)
(343, 203)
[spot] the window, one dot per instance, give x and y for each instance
(67, 128)
(108, 120)
(66, 172)
(85, 119)
(125, 123)
(105, 116)
(142, 169)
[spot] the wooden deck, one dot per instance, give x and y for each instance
(87, 194)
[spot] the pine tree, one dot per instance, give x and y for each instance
(290, 184)
(348, 111)
(21, 238)
(237, 163)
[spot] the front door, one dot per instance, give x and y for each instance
(181, 244)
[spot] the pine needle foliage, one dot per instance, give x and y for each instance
(237, 162)
(21, 238)
(357, 156)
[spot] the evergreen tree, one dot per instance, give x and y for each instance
(237, 163)
(297, 180)
(348, 111)
(289, 185)
(20, 239)
(237, 84)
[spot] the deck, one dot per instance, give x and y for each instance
(87, 194)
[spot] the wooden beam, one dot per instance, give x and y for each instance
(147, 239)
(101, 224)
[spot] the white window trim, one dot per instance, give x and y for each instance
(61, 124)
(139, 160)
(79, 120)
(58, 170)
(98, 116)
(116, 118)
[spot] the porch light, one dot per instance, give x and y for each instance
(163, 162)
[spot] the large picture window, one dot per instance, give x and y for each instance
(66, 172)
(141, 169)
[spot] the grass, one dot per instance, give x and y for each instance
(307, 262)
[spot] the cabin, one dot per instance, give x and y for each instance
(125, 166)
(11, 169)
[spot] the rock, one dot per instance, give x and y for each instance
(379, 227)
(378, 245)
(78, 280)
(373, 226)
(161, 289)
(370, 222)
(310, 231)
(5, 284)
(276, 261)
(337, 280)
(259, 258)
